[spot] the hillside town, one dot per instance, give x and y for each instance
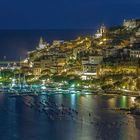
(108, 60)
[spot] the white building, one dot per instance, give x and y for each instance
(95, 59)
(135, 53)
(42, 44)
(89, 66)
(101, 31)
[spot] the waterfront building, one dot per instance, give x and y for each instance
(89, 66)
(89, 71)
(9, 65)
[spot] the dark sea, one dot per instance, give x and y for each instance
(67, 117)
(14, 44)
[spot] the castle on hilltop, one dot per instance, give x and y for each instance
(132, 23)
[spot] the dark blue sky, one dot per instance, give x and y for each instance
(68, 14)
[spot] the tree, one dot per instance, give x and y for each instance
(7, 73)
(44, 77)
(59, 78)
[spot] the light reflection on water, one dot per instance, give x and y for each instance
(73, 100)
(95, 120)
(123, 101)
(112, 102)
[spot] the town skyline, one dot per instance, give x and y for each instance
(22, 41)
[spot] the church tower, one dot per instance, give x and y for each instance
(101, 31)
(42, 44)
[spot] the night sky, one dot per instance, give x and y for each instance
(57, 14)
